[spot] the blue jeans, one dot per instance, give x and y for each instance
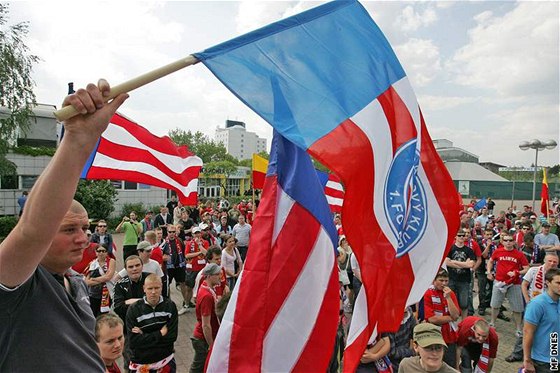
(461, 290)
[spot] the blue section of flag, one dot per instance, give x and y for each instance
(480, 204)
(298, 179)
(293, 58)
(90, 161)
(323, 178)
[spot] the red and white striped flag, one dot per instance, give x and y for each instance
(128, 151)
(283, 312)
(334, 191)
(349, 104)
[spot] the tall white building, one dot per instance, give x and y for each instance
(238, 141)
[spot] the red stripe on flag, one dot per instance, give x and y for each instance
(334, 193)
(262, 296)
(441, 184)
(399, 118)
(357, 174)
(139, 177)
(161, 144)
(320, 339)
(130, 154)
(248, 332)
(287, 259)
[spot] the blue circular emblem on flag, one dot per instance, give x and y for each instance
(405, 198)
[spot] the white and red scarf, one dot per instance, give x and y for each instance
(482, 366)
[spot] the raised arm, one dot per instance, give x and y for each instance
(51, 197)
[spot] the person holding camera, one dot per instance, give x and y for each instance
(132, 229)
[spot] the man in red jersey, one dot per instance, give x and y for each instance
(510, 265)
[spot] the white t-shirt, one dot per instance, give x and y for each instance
(151, 267)
(228, 261)
(535, 278)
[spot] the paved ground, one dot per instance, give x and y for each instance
(184, 352)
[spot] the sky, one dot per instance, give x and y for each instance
(486, 73)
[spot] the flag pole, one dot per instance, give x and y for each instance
(68, 112)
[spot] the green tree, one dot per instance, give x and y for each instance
(16, 86)
(220, 167)
(554, 170)
(201, 145)
(98, 197)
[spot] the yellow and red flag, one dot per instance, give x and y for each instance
(260, 165)
(544, 195)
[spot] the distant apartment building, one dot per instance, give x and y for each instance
(238, 141)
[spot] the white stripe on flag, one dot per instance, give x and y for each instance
(103, 161)
(406, 93)
(119, 135)
(425, 263)
(359, 317)
(373, 122)
(293, 319)
(284, 204)
(219, 359)
(334, 185)
(334, 201)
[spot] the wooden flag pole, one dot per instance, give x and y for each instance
(68, 112)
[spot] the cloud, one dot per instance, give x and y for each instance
(434, 103)
(514, 54)
(412, 20)
(252, 15)
(421, 59)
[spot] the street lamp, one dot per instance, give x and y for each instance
(537, 145)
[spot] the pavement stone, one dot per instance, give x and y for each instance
(184, 352)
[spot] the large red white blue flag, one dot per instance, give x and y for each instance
(334, 191)
(128, 151)
(283, 313)
(347, 101)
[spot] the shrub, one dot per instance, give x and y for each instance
(7, 223)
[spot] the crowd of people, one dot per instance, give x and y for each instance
(201, 251)
(512, 255)
(56, 276)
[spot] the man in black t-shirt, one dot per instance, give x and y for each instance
(459, 262)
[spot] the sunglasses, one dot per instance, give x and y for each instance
(461, 235)
(146, 251)
(507, 240)
(101, 226)
(171, 231)
(100, 251)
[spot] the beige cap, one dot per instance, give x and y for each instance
(427, 334)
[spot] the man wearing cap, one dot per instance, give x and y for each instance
(207, 323)
(430, 347)
(535, 223)
(547, 241)
(144, 250)
(477, 345)
(195, 255)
